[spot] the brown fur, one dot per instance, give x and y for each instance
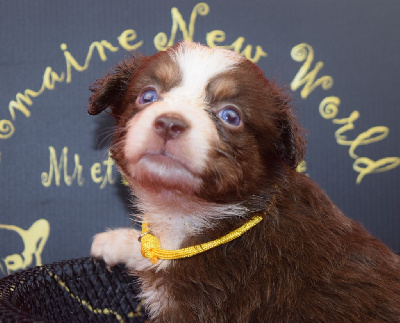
(306, 262)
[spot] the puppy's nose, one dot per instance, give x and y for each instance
(169, 126)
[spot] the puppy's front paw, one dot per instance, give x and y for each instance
(102, 248)
(116, 246)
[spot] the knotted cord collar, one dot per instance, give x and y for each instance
(151, 245)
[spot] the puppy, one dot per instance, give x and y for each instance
(209, 145)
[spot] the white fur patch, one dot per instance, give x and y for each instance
(171, 223)
(199, 64)
(155, 297)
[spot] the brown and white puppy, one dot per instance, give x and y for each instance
(205, 142)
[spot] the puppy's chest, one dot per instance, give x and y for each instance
(156, 295)
(169, 297)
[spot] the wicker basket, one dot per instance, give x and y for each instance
(80, 290)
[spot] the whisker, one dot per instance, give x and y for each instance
(227, 155)
(118, 144)
(105, 137)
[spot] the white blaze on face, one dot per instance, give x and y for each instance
(187, 154)
(198, 64)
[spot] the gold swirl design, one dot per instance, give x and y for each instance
(302, 167)
(34, 240)
(329, 107)
(326, 81)
(161, 41)
(365, 166)
(58, 169)
(306, 77)
(202, 8)
(301, 52)
(373, 134)
(7, 129)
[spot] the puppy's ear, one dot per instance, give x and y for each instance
(110, 90)
(292, 143)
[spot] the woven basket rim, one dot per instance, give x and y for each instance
(82, 285)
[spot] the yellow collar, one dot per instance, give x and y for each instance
(151, 245)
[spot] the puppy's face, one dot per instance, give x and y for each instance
(197, 121)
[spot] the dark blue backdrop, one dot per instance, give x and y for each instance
(58, 187)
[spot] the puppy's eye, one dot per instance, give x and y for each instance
(230, 116)
(148, 96)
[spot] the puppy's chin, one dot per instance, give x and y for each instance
(160, 172)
